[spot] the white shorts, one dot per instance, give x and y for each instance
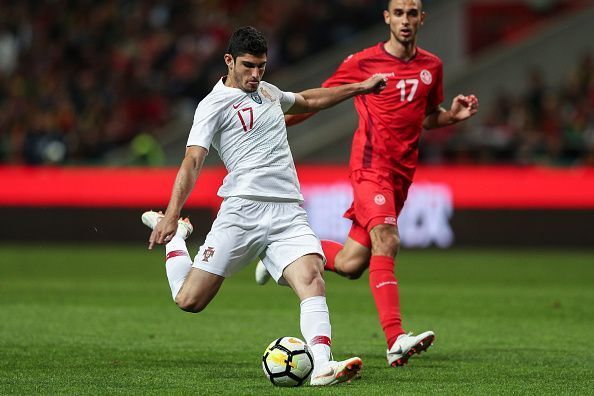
(276, 232)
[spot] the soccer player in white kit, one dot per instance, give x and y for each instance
(261, 216)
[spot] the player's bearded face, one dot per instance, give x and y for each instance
(404, 17)
(246, 71)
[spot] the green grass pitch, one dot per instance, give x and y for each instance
(97, 320)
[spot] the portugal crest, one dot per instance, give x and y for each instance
(256, 98)
(208, 253)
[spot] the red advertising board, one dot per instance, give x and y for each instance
(472, 187)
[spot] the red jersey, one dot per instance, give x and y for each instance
(390, 123)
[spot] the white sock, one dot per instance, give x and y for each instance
(177, 263)
(316, 329)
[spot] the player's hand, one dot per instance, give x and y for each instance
(464, 107)
(375, 84)
(164, 231)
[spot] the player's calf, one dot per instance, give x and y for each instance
(350, 261)
(351, 269)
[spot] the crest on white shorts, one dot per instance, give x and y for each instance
(379, 199)
(208, 253)
(426, 77)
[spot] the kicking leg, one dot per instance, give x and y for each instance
(198, 290)
(191, 288)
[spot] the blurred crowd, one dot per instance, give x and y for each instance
(543, 124)
(81, 77)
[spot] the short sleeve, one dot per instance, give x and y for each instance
(436, 94)
(287, 100)
(347, 73)
(205, 126)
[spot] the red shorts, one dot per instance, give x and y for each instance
(378, 198)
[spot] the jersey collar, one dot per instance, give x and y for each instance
(382, 45)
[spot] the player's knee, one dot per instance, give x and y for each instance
(392, 245)
(190, 304)
(191, 307)
(313, 281)
(387, 245)
(396, 244)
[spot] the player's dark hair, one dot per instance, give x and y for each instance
(390, 1)
(247, 40)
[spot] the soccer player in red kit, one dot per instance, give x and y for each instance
(384, 158)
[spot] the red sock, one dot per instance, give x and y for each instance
(385, 293)
(330, 249)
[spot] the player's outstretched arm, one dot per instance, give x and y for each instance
(317, 99)
(463, 107)
(182, 187)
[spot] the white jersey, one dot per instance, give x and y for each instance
(248, 130)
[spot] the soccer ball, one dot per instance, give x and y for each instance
(287, 362)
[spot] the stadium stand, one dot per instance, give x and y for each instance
(115, 82)
(544, 123)
(502, 70)
(78, 78)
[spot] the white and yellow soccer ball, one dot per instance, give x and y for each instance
(287, 362)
